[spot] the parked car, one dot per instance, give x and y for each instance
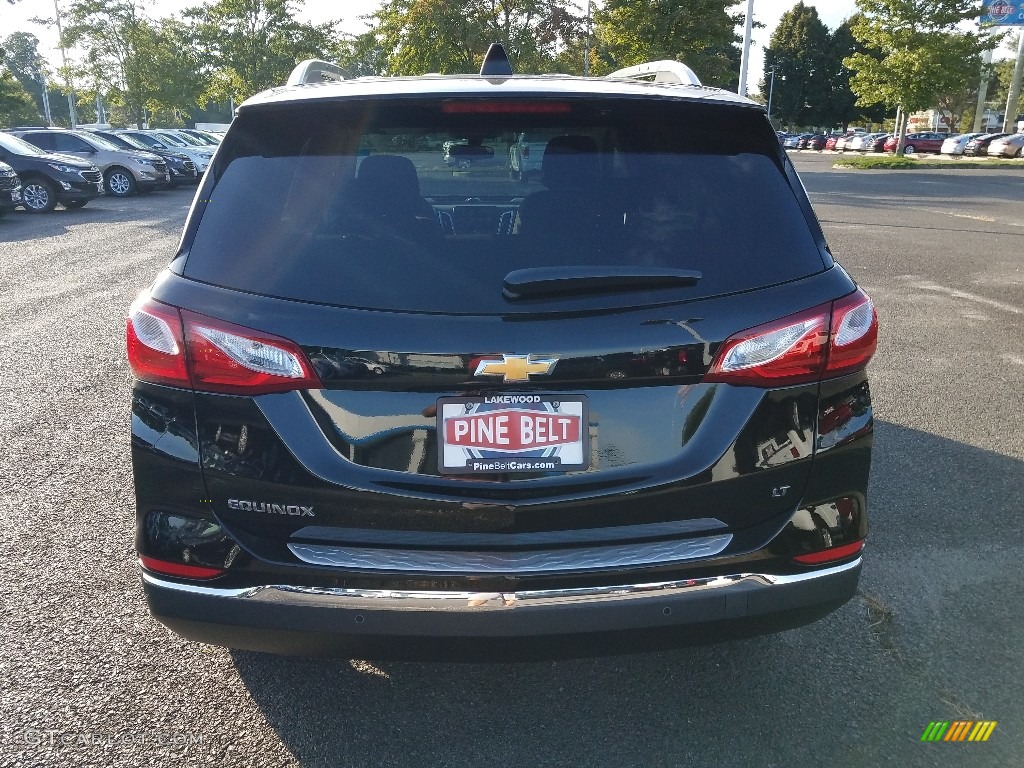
(633, 419)
(204, 137)
(855, 143)
(10, 189)
(793, 142)
(200, 156)
(843, 142)
(878, 142)
(125, 172)
(181, 169)
(925, 141)
(832, 140)
(817, 142)
(955, 145)
(978, 146)
(1007, 146)
(47, 178)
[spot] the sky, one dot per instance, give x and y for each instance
(15, 18)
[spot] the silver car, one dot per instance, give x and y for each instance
(1008, 146)
(125, 172)
(198, 153)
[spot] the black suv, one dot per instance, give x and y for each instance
(404, 409)
(48, 179)
(10, 189)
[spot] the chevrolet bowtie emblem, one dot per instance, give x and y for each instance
(515, 367)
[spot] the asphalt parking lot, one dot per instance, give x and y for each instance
(936, 634)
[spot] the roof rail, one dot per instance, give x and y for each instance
(315, 71)
(666, 71)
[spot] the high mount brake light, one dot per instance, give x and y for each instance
(825, 341)
(171, 346)
(506, 107)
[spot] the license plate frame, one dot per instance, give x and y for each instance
(557, 424)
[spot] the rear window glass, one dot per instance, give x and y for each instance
(425, 206)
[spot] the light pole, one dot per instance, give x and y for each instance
(771, 92)
(586, 49)
(64, 59)
(745, 59)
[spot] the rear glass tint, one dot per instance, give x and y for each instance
(414, 205)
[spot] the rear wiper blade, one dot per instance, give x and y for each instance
(546, 282)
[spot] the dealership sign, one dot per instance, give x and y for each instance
(1003, 13)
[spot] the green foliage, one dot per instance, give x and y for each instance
(413, 37)
(922, 54)
(360, 55)
(16, 105)
(127, 57)
(798, 51)
(1003, 75)
(700, 33)
(247, 46)
(20, 54)
(895, 163)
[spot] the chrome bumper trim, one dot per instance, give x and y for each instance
(450, 562)
(427, 600)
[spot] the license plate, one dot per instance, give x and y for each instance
(509, 433)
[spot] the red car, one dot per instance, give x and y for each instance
(928, 141)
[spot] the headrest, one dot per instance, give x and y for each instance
(570, 161)
(382, 176)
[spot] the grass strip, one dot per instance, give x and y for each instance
(905, 163)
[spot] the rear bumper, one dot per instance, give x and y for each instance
(316, 621)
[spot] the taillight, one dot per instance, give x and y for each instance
(156, 344)
(825, 341)
(171, 346)
(228, 358)
(787, 351)
(854, 335)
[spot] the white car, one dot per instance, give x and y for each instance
(200, 155)
(955, 145)
(1008, 146)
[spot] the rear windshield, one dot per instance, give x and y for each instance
(426, 206)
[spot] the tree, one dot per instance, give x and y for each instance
(451, 37)
(360, 55)
(16, 105)
(923, 54)
(121, 46)
(798, 52)
(252, 45)
(1003, 75)
(700, 33)
(23, 60)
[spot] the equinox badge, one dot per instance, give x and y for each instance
(294, 510)
(515, 367)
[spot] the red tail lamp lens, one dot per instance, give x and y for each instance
(171, 346)
(183, 570)
(831, 555)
